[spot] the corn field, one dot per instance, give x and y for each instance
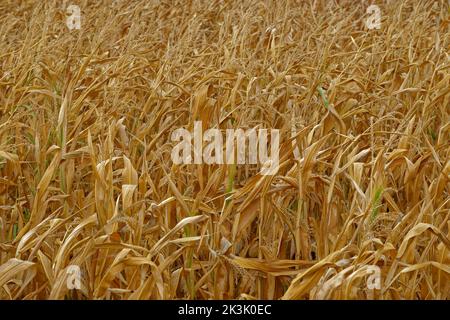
(87, 179)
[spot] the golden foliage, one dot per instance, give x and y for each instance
(86, 176)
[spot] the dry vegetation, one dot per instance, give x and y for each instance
(86, 176)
